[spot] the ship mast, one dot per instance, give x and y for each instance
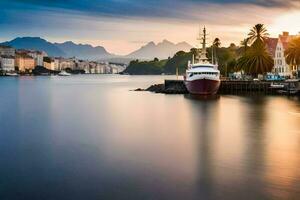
(202, 38)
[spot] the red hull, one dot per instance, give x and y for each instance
(203, 86)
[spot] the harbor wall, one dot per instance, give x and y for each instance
(237, 87)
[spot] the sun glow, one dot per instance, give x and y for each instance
(286, 22)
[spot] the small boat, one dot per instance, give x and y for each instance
(276, 86)
(11, 74)
(288, 92)
(64, 73)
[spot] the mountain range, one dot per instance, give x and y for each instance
(150, 51)
(161, 50)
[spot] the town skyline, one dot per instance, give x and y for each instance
(124, 26)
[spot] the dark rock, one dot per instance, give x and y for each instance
(175, 87)
(157, 88)
(170, 87)
(40, 70)
(139, 89)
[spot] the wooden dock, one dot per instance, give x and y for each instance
(236, 87)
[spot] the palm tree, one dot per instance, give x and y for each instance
(245, 44)
(217, 42)
(256, 60)
(258, 33)
(292, 53)
(215, 46)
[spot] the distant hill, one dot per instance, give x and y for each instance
(66, 49)
(226, 56)
(35, 43)
(161, 50)
(83, 51)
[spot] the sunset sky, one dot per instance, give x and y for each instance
(122, 26)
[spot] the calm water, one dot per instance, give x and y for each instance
(89, 137)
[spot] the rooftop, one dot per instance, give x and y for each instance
(5, 47)
(271, 45)
(23, 55)
(5, 56)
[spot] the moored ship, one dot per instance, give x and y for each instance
(202, 77)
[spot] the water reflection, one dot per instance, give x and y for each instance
(236, 155)
(203, 118)
(256, 146)
(202, 97)
(89, 137)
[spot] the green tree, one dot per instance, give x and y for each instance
(232, 46)
(216, 45)
(145, 67)
(194, 51)
(292, 53)
(244, 45)
(217, 42)
(180, 61)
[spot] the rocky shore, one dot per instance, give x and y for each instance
(169, 87)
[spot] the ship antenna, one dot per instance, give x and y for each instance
(212, 54)
(203, 56)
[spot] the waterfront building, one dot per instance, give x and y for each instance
(107, 69)
(102, 68)
(24, 62)
(67, 64)
(98, 68)
(7, 51)
(114, 70)
(49, 63)
(93, 67)
(271, 45)
(83, 65)
(280, 65)
(117, 68)
(57, 64)
(92, 70)
(38, 56)
(7, 63)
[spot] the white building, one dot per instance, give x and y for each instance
(102, 68)
(57, 64)
(67, 64)
(7, 63)
(7, 51)
(116, 68)
(280, 65)
(84, 65)
(38, 57)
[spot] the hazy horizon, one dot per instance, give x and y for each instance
(122, 26)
